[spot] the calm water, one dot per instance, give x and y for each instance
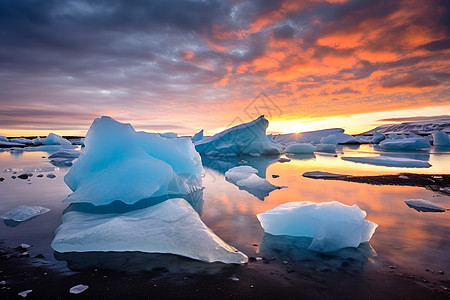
(416, 241)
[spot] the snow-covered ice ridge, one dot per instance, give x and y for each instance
(121, 164)
(422, 127)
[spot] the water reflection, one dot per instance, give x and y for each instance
(223, 164)
(133, 262)
(293, 156)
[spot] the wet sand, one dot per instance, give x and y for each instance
(258, 279)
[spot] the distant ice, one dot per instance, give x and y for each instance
(78, 289)
(23, 213)
(169, 135)
(44, 148)
(388, 161)
(377, 137)
(52, 139)
(314, 137)
(300, 148)
(247, 138)
(326, 147)
(21, 140)
(64, 156)
(198, 136)
(320, 174)
(172, 226)
(3, 139)
(10, 144)
(424, 205)
(332, 225)
(404, 144)
(121, 164)
(330, 139)
(441, 139)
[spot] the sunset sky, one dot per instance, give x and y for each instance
(186, 65)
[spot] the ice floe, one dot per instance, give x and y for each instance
(326, 147)
(314, 137)
(23, 213)
(404, 144)
(172, 226)
(300, 148)
(441, 139)
(388, 161)
(64, 157)
(78, 289)
(121, 164)
(21, 140)
(247, 138)
(424, 205)
(245, 178)
(332, 225)
(320, 174)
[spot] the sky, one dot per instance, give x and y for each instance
(183, 66)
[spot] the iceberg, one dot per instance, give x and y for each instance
(3, 139)
(424, 205)
(315, 137)
(245, 178)
(331, 225)
(377, 137)
(405, 144)
(300, 148)
(388, 161)
(198, 136)
(246, 138)
(63, 156)
(52, 139)
(121, 164)
(330, 139)
(320, 174)
(172, 226)
(440, 138)
(23, 213)
(168, 135)
(7, 144)
(21, 140)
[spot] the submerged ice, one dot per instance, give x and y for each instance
(332, 225)
(121, 164)
(23, 213)
(172, 226)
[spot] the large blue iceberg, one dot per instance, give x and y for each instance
(121, 164)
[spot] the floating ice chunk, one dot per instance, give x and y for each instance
(43, 148)
(320, 174)
(3, 139)
(330, 139)
(326, 147)
(246, 138)
(65, 153)
(245, 178)
(23, 213)
(314, 137)
(300, 148)
(24, 293)
(119, 163)
(440, 138)
(388, 161)
(424, 205)
(21, 140)
(172, 226)
(394, 136)
(52, 139)
(284, 159)
(405, 144)
(78, 289)
(198, 136)
(377, 137)
(332, 225)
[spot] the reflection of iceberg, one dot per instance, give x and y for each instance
(246, 179)
(332, 225)
(172, 226)
(246, 138)
(295, 250)
(119, 163)
(301, 156)
(388, 161)
(136, 262)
